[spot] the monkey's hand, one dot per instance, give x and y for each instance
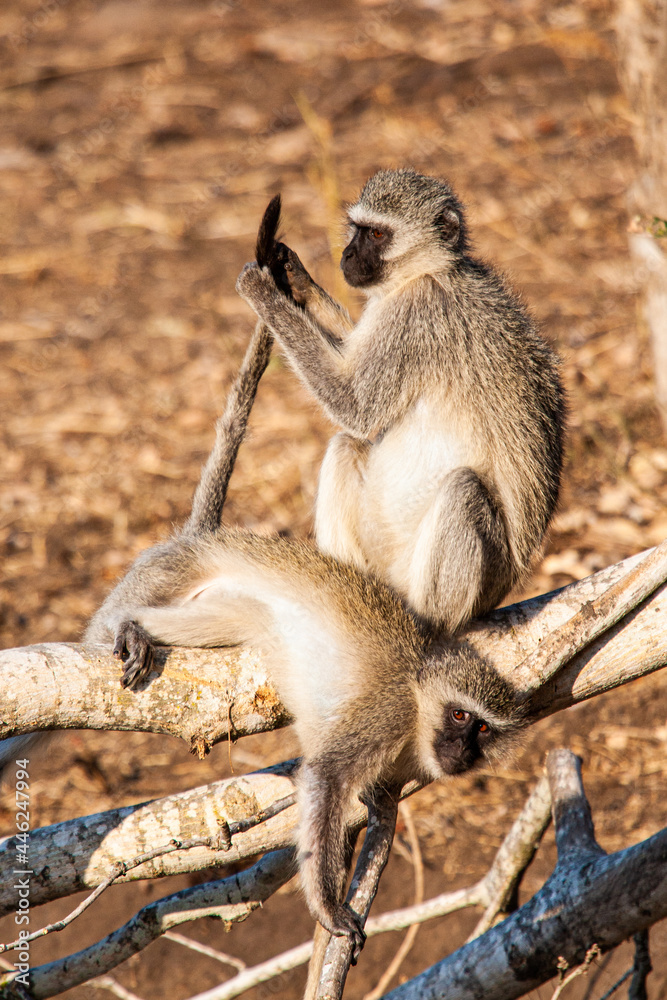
(300, 282)
(134, 647)
(257, 286)
(344, 922)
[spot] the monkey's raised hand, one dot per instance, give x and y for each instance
(269, 251)
(257, 286)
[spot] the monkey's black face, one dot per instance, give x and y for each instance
(363, 263)
(462, 740)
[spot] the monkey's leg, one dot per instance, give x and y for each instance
(460, 565)
(339, 499)
(325, 849)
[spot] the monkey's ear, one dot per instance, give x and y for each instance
(450, 225)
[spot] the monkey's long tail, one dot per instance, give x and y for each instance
(209, 498)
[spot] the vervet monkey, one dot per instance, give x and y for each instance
(447, 470)
(373, 702)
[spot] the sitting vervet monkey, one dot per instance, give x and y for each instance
(371, 699)
(447, 471)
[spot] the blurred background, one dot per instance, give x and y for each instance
(140, 143)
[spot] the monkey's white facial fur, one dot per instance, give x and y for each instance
(457, 729)
(424, 219)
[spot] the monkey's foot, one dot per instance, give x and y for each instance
(134, 647)
(347, 923)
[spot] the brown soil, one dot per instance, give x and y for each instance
(140, 144)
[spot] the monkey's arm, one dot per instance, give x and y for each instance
(329, 314)
(325, 851)
(361, 396)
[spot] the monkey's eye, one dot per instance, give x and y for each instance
(484, 727)
(377, 234)
(458, 715)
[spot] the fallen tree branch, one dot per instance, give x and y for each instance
(511, 860)
(591, 898)
(79, 854)
(231, 900)
(198, 692)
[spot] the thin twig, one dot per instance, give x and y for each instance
(592, 953)
(113, 986)
(55, 75)
(260, 973)
(594, 978)
(203, 949)
(617, 985)
(409, 939)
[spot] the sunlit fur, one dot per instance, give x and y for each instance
(351, 664)
(447, 470)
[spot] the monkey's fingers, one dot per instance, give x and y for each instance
(346, 922)
(278, 263)
(297, 278)
(134, 647)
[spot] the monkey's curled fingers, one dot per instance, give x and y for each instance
(134, 647)
(346, 922)
(256, 285)
(298, 279)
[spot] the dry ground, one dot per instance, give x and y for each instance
(140, 143)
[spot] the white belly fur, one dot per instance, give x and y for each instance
(405, 470)
(308, 663)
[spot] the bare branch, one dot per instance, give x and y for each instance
(575, 834)
(197, 692)
(382, 809)
(203, 949)
(71, 686)
(516, 852)
(219, 842)
(591, 898)
(80, 853)
(231, 900)
(409, 939)
(261, 973)
(110, 984)
(593, 619)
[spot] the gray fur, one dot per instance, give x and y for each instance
(372, 703)
(444, 356)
